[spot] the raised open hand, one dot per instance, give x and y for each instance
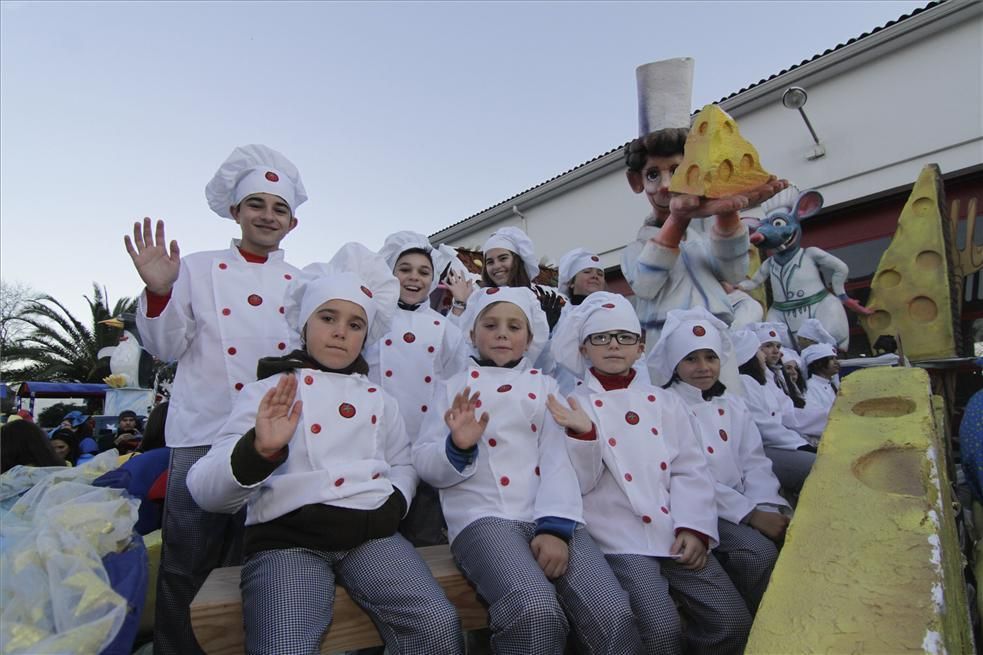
(551, 304)
(157, 268)
(466, 429)
(573, 418)
(277, 416)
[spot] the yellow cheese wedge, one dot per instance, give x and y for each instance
(912, 291)
(871, 562)
(717, 160)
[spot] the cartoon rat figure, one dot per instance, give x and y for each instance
(796, 273)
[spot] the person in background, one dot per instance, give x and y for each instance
(580, 275)
(823, 367)
(127, 436)
(23, 443)
(791, 454)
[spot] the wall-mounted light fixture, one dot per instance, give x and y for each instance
(795, 97)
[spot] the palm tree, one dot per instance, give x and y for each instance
(59, 347)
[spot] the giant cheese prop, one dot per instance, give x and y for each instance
(912, 291)
(717, 160)
(871, 562)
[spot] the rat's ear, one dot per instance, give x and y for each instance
(807, 204)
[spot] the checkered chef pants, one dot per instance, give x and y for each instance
(717, 620)
(288, 595)
(529, 613)
(748, 557)
(193, 543)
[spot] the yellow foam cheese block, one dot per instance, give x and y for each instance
(717, 160)
(871, 562)
(912, 291)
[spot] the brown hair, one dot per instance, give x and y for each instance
(517, 276)
(661, 143)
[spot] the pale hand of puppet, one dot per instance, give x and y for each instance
(573, 418)
(684, 207)
(277, 417)
(466, 428)
(157, 267)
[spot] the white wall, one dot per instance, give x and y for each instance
(882, 112)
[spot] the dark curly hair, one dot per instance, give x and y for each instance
(661, 143)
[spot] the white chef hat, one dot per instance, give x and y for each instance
(686, 330)
(784, 200)
(813, 330)
(399, 242)
(254, 169)
(513, 239)
(572, 263)
(665, 94)
(818, 351)
(789, 355)
(601, 311)
(524, 299)
(355, 274)
(746, 345)
(767, 332)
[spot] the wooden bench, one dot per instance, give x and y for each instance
(216, 613)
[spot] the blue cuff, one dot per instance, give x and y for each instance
(460, 459)
(556, 526)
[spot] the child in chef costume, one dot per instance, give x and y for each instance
(422, 347)
(509, 494)
(823, 366)
(648, 496)
(320, 457)
(688, 358)
(790, 453)
(216, 313)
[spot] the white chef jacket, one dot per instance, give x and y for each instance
(421, 348)
(731, 444)
(520, 471)
(643, 478)
(350, 449)
(766, 406)
(224, 314)
(820, 394)
(682, 278)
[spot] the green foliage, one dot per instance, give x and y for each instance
(51, 416)
(57, 346)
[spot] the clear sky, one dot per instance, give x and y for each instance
(399, 115)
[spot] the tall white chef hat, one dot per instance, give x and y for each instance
(572, 263)
(355, 274)
(665, 94)
(818, 351)
(746, 345)
(521, 297)
(399, 242)
(813, 330)
(686, 330)
(254, 169)
(601, 311)
(514, 239)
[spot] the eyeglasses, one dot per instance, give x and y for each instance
(623, 338)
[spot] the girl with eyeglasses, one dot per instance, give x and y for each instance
(648, 494)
